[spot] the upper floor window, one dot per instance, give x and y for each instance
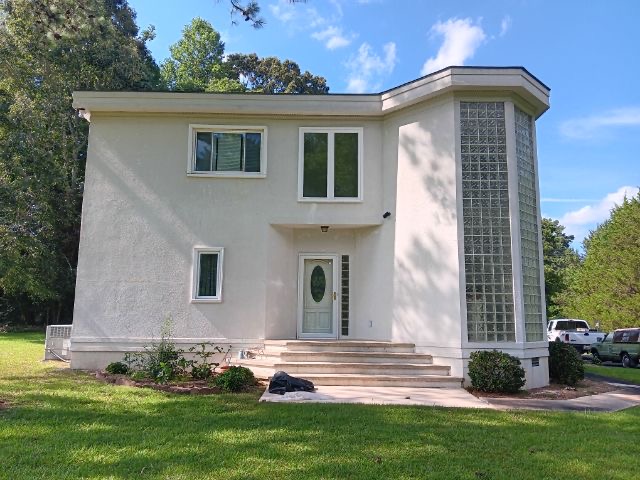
(229, 151)
(330, 164)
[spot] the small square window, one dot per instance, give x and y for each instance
(227, 151)
(207, 275)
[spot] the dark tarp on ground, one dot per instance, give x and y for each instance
(281, 382)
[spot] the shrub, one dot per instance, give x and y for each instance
(201, 372)
(117, 368)
(493, 371)
(565, 364)
(235, 379)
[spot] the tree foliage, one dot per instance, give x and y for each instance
(196, 60)
(606, 287)
(197, 64)
(48, 49)
(271, 75)
(559, 260)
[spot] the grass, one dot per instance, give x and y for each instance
(631, 375)
(65, 425)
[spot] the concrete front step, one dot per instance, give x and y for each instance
(310, 368)
(347, 346)
(419, 381)
(357, 357)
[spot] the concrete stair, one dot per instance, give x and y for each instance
(351, 362)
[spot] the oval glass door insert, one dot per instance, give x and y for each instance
(318, 283)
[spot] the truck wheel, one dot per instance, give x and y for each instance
(626, 361)
(557, 340)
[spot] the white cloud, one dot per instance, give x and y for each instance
(333, 37)
(580, 222)
(283, 11)
(297, 18)
(600, 125)
(461, 38)
(366, 66)
(505, 25)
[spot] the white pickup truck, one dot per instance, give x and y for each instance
(574, 332)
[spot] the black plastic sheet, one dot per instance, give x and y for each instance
(282, 382)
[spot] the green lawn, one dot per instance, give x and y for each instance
(65, 425)
(616, 372)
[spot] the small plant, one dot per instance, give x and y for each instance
(565, 364)
(493, 371)
(201, 372)
(596, 360)
(203, 368)
(162, 362)
(235, 379)
(119, 368)
(139, 375)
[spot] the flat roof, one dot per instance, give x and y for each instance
(496, 80)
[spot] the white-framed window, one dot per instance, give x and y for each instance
(207, 274)
(227, 151)
(330, 164)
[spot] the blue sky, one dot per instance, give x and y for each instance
(586, 51)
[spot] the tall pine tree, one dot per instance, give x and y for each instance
(48, 49)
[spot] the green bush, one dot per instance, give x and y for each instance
(117, 368)
(494, 371)
(201, 372)
(565, 364)
(235, 379)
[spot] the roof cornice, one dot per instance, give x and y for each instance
(499, 80)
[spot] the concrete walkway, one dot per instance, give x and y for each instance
(432, 397)
(625, 397)
(603, 402)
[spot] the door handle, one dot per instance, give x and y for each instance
(335, 296)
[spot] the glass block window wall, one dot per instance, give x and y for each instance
(531, 291)
(487, 235)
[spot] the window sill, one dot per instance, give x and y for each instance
(206, 300)
(330, 200)
(225, 175)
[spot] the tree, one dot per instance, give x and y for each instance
(196, 61)
(197, 64)
(250, 12)
(606, 288)
(48, 49)
(270, 75)
(559, 259)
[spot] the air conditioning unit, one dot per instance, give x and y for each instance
(58, 342)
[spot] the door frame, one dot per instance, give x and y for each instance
(336, 290)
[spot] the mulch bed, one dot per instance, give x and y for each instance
(554, 391)
(190, 387)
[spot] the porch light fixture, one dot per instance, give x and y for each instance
(324, 228)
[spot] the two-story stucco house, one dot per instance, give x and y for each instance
(411, 216)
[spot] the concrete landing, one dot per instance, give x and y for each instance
(625, 397)
(432, 397)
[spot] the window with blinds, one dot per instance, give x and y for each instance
(216, 151)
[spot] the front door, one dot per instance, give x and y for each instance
(317, 297)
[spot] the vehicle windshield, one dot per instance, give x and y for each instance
(571, 325)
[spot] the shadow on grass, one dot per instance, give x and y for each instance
(69, 426)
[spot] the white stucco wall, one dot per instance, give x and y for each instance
(143, 216)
